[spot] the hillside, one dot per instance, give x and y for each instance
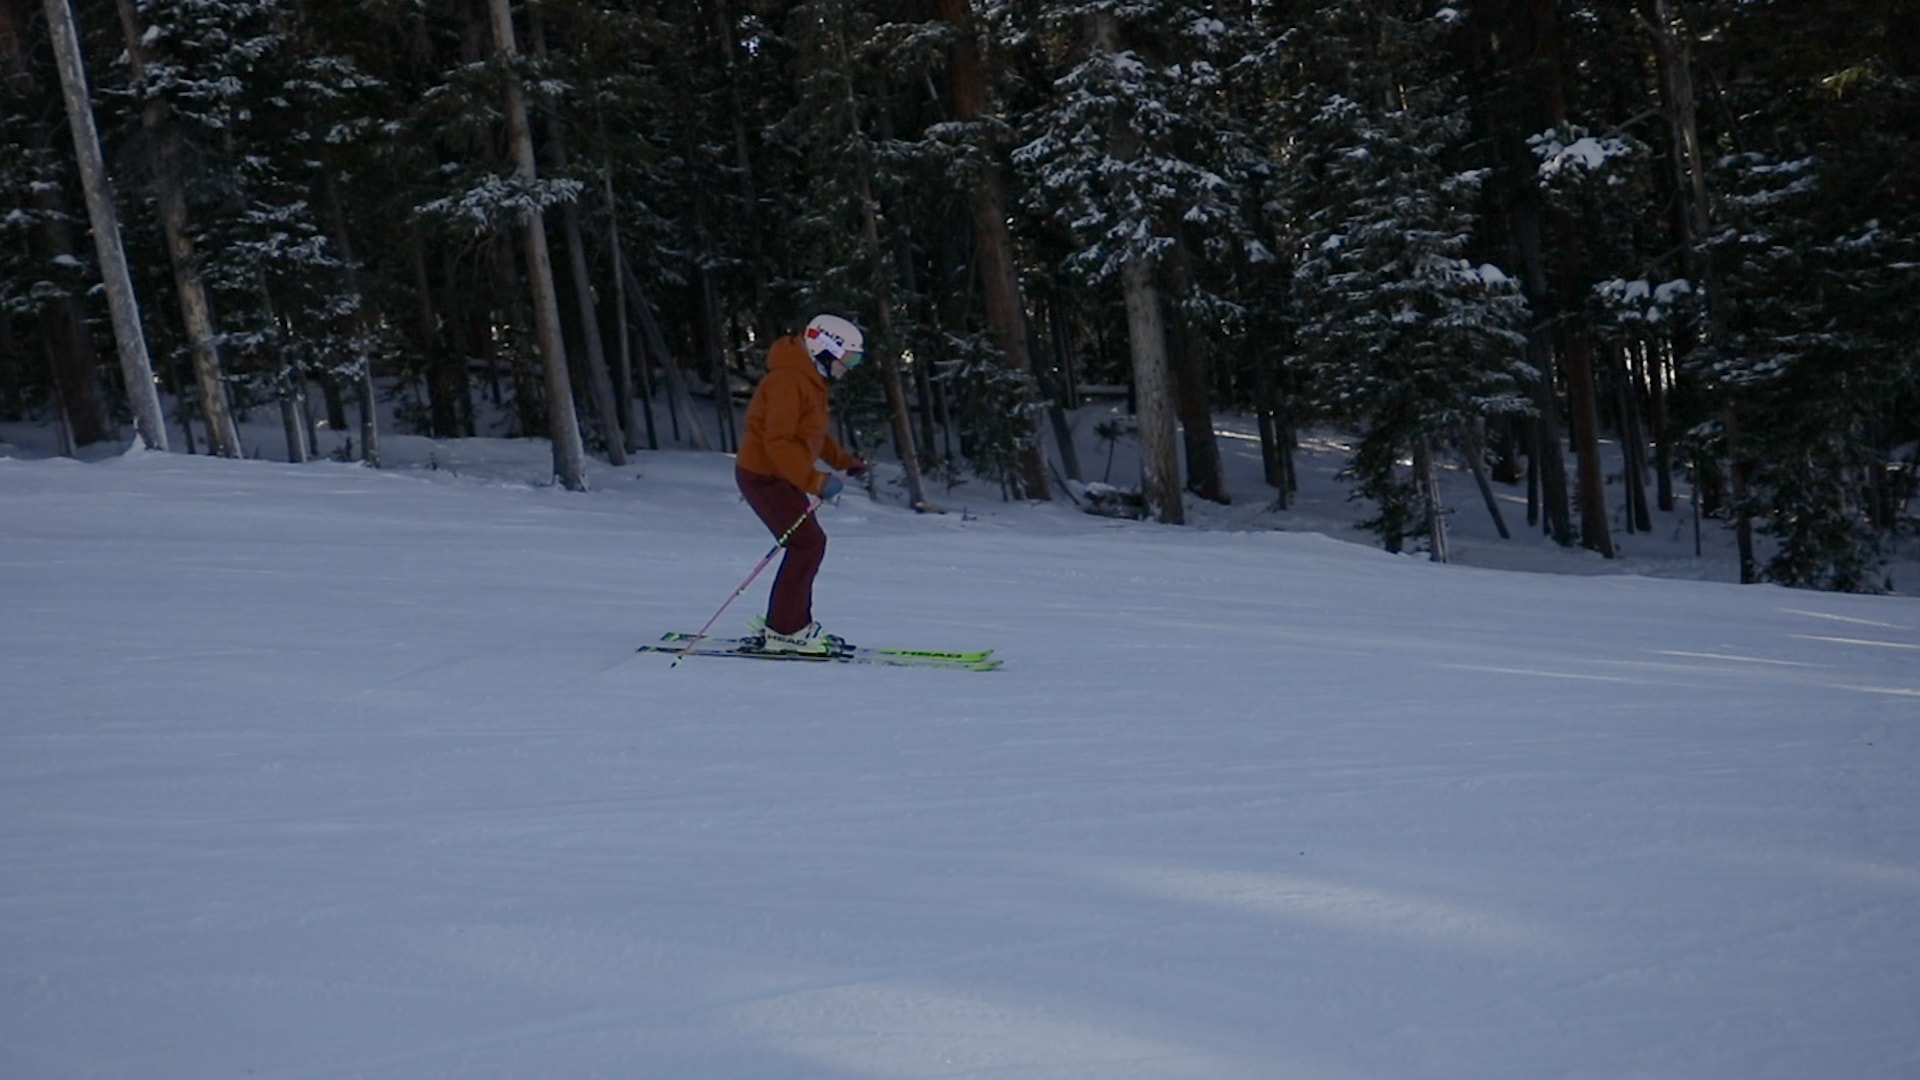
(324, 772)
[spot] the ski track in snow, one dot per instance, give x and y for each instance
(320, 773)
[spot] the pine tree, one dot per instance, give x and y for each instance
(182, 112)
(1114, 158)
(1814, 244)
(981, 133)
(1403, 335)
(843, 236)
(30, 166)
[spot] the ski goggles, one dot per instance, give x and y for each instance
(852, 358)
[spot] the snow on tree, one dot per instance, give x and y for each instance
(1403, 335)
(1118, 158)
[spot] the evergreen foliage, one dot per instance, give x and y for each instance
(1419, 221)
(1404, 336)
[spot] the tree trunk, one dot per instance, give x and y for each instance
(1431, 510)
(1056, 381)
(710, 333)
(1675, 64)
(136, 369)
(1147, 343)
(599, 380)
(563, 425)
(1524, 37)
(993, 242)
(896, 389)
(362, 316)
(723, 25)
(627, 370)
(1633, 442)
(1193, 386)
(657, 342)
(883, 300)
(1676, 82)
(445, 361)
(72, 362)
(223, 437)
(1475, 451)
(1572, 338)
(1742, 470)
(1576, 353)
(291, 394)
(74, 365)
(1654, 356)
(1275, 427)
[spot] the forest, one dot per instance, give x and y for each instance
(1613, 253)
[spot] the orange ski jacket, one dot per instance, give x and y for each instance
(787, 421)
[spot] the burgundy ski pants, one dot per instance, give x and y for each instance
(779, 505)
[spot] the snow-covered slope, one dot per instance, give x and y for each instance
(324, 772)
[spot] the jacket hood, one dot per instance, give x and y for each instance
(788, 354)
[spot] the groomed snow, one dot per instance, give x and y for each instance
(321, 772)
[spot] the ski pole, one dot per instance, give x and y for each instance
(759, 566)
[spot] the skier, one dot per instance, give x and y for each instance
(776, 470)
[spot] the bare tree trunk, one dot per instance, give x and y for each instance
(369, 421)
(1633, 442)
(1576, 353)
(1475, 451)
(1147, 342)
(623, 339)
(1525, 34)
(629, 372)
(1428, 479)
(599, 381)
(1572, 339)
(882, 301)
(563, 425)
(993, 242)
(712, 331)
(1277, 435)
(136, 369)
(73, 364)
(223, 438)
(723, 25)
(1193, 387)
(446, 374)
(657, 342)
(1654, 361)
(291, 393)
(890, 374)
(292, 423)
(1676, 83)
(1742, 470)
(1548, 505)
(1146, 338)
(1060, 392)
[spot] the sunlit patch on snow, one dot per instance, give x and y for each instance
(1896, 691)
(1357, 908)
(1729, 657)
(1859, 641)
(898, 1028)
(1904, 878)
(1845, 619)
(1538, 673)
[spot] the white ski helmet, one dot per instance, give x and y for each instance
(829, 338)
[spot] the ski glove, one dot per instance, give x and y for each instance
(859, 468)
(830, 490)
